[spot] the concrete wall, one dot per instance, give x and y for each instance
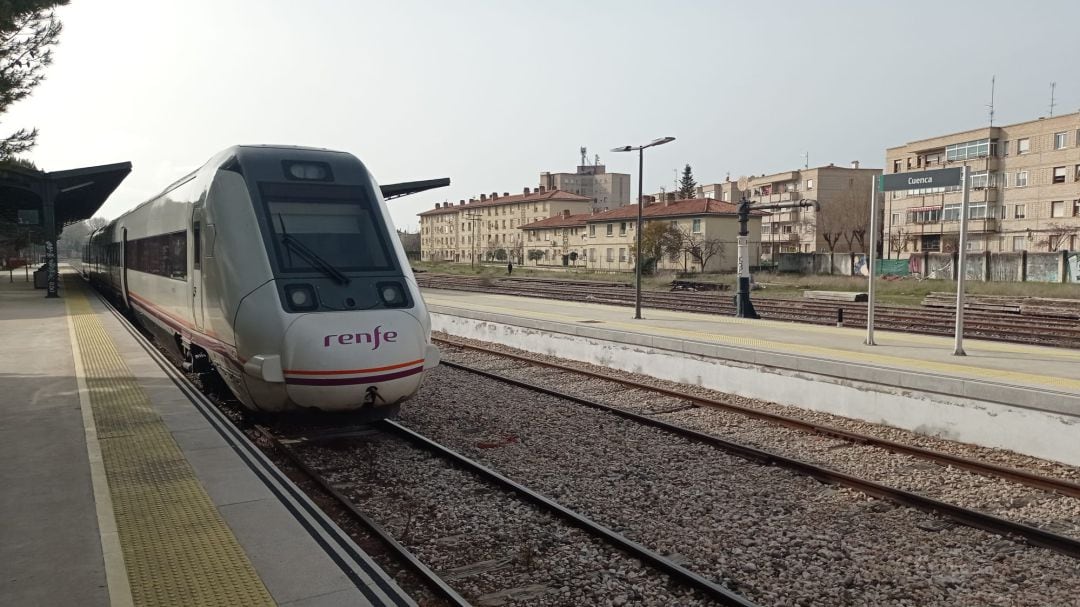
(1059, 266)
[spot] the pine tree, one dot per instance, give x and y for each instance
(28, 30)
(687, 185)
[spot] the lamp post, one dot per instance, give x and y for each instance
(640, 149)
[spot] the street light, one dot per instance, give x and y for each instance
(641, 203)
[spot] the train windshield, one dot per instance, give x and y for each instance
(333, 236)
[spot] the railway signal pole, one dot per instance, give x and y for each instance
(744, 308)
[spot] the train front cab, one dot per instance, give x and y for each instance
(340, 325)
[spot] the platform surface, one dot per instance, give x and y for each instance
(1024, 375)
(116, 490)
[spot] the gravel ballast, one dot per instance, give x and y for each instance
(784, 539)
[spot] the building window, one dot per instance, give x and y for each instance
(1018, 243)
(1060, 139)
(622, 228)
(1021, 179)
(622, 255)
(786, 229)
(1057, 208)
(592, 255)
(926, 215)
(895, 218)
(1023, 146)
(896, 166)
(970, 149)
(809, 184)
(1059, 175)
(610, 257)
(1020, 211)
(951, 212)
(592, 230)
(1005, 148)
(610, 230)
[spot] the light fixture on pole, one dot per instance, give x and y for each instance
(640, 149)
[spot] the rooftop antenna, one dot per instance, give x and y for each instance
(584, 156)
(1053, 85)
(597, 159)
(806, 160)
(991, 106)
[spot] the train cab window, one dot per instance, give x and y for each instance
(344, 233)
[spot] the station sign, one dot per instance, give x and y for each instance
(939, 178)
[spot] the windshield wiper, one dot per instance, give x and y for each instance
(311, 256)
(315, 259)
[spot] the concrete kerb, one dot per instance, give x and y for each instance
(1036, 422)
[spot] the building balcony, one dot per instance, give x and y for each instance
(776, 197)
(975, 226)
(978, 195)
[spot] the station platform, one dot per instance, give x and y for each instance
(123, 487)
(906, 380)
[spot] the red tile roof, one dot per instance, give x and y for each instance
(558, 221)
(532, 197)
(678, 208)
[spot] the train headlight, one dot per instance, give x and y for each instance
(301, 298)
(307, 171)
(392, 295)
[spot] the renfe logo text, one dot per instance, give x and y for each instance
(375, 338)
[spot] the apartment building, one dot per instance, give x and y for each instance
(607, 190)
(606, 240)
(488, 228)
(1025, 190)
(559, 240)
(841, 225)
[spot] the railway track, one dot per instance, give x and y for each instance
(287, 442)
(931, 321)
(977, 518)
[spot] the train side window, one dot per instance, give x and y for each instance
(196, 234)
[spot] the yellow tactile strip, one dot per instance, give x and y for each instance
(176, 546)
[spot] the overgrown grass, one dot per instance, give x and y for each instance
(905, 291)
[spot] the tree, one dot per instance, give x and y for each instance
(656, 239)
(898, 241)
(28, 30)
(573, 257)
(535, 254)
(73, 237)
(1057, 236)
(500, 254)
(702, 249)
(687, 185)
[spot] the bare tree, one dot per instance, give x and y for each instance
(898, 241)
(847, 214)
(1057, 236)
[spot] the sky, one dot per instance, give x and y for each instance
(491, 93)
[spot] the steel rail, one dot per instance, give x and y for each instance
(1037, 481)
(403, 554)
(971, 518)
(673, 569)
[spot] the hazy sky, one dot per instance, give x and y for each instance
(491, 93)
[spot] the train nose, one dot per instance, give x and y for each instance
(333, 361)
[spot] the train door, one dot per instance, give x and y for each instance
(123, 268)
(196, 266)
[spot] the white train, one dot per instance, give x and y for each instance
(279, 269)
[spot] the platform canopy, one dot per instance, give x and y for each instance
(77, 193)
(50, 200)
